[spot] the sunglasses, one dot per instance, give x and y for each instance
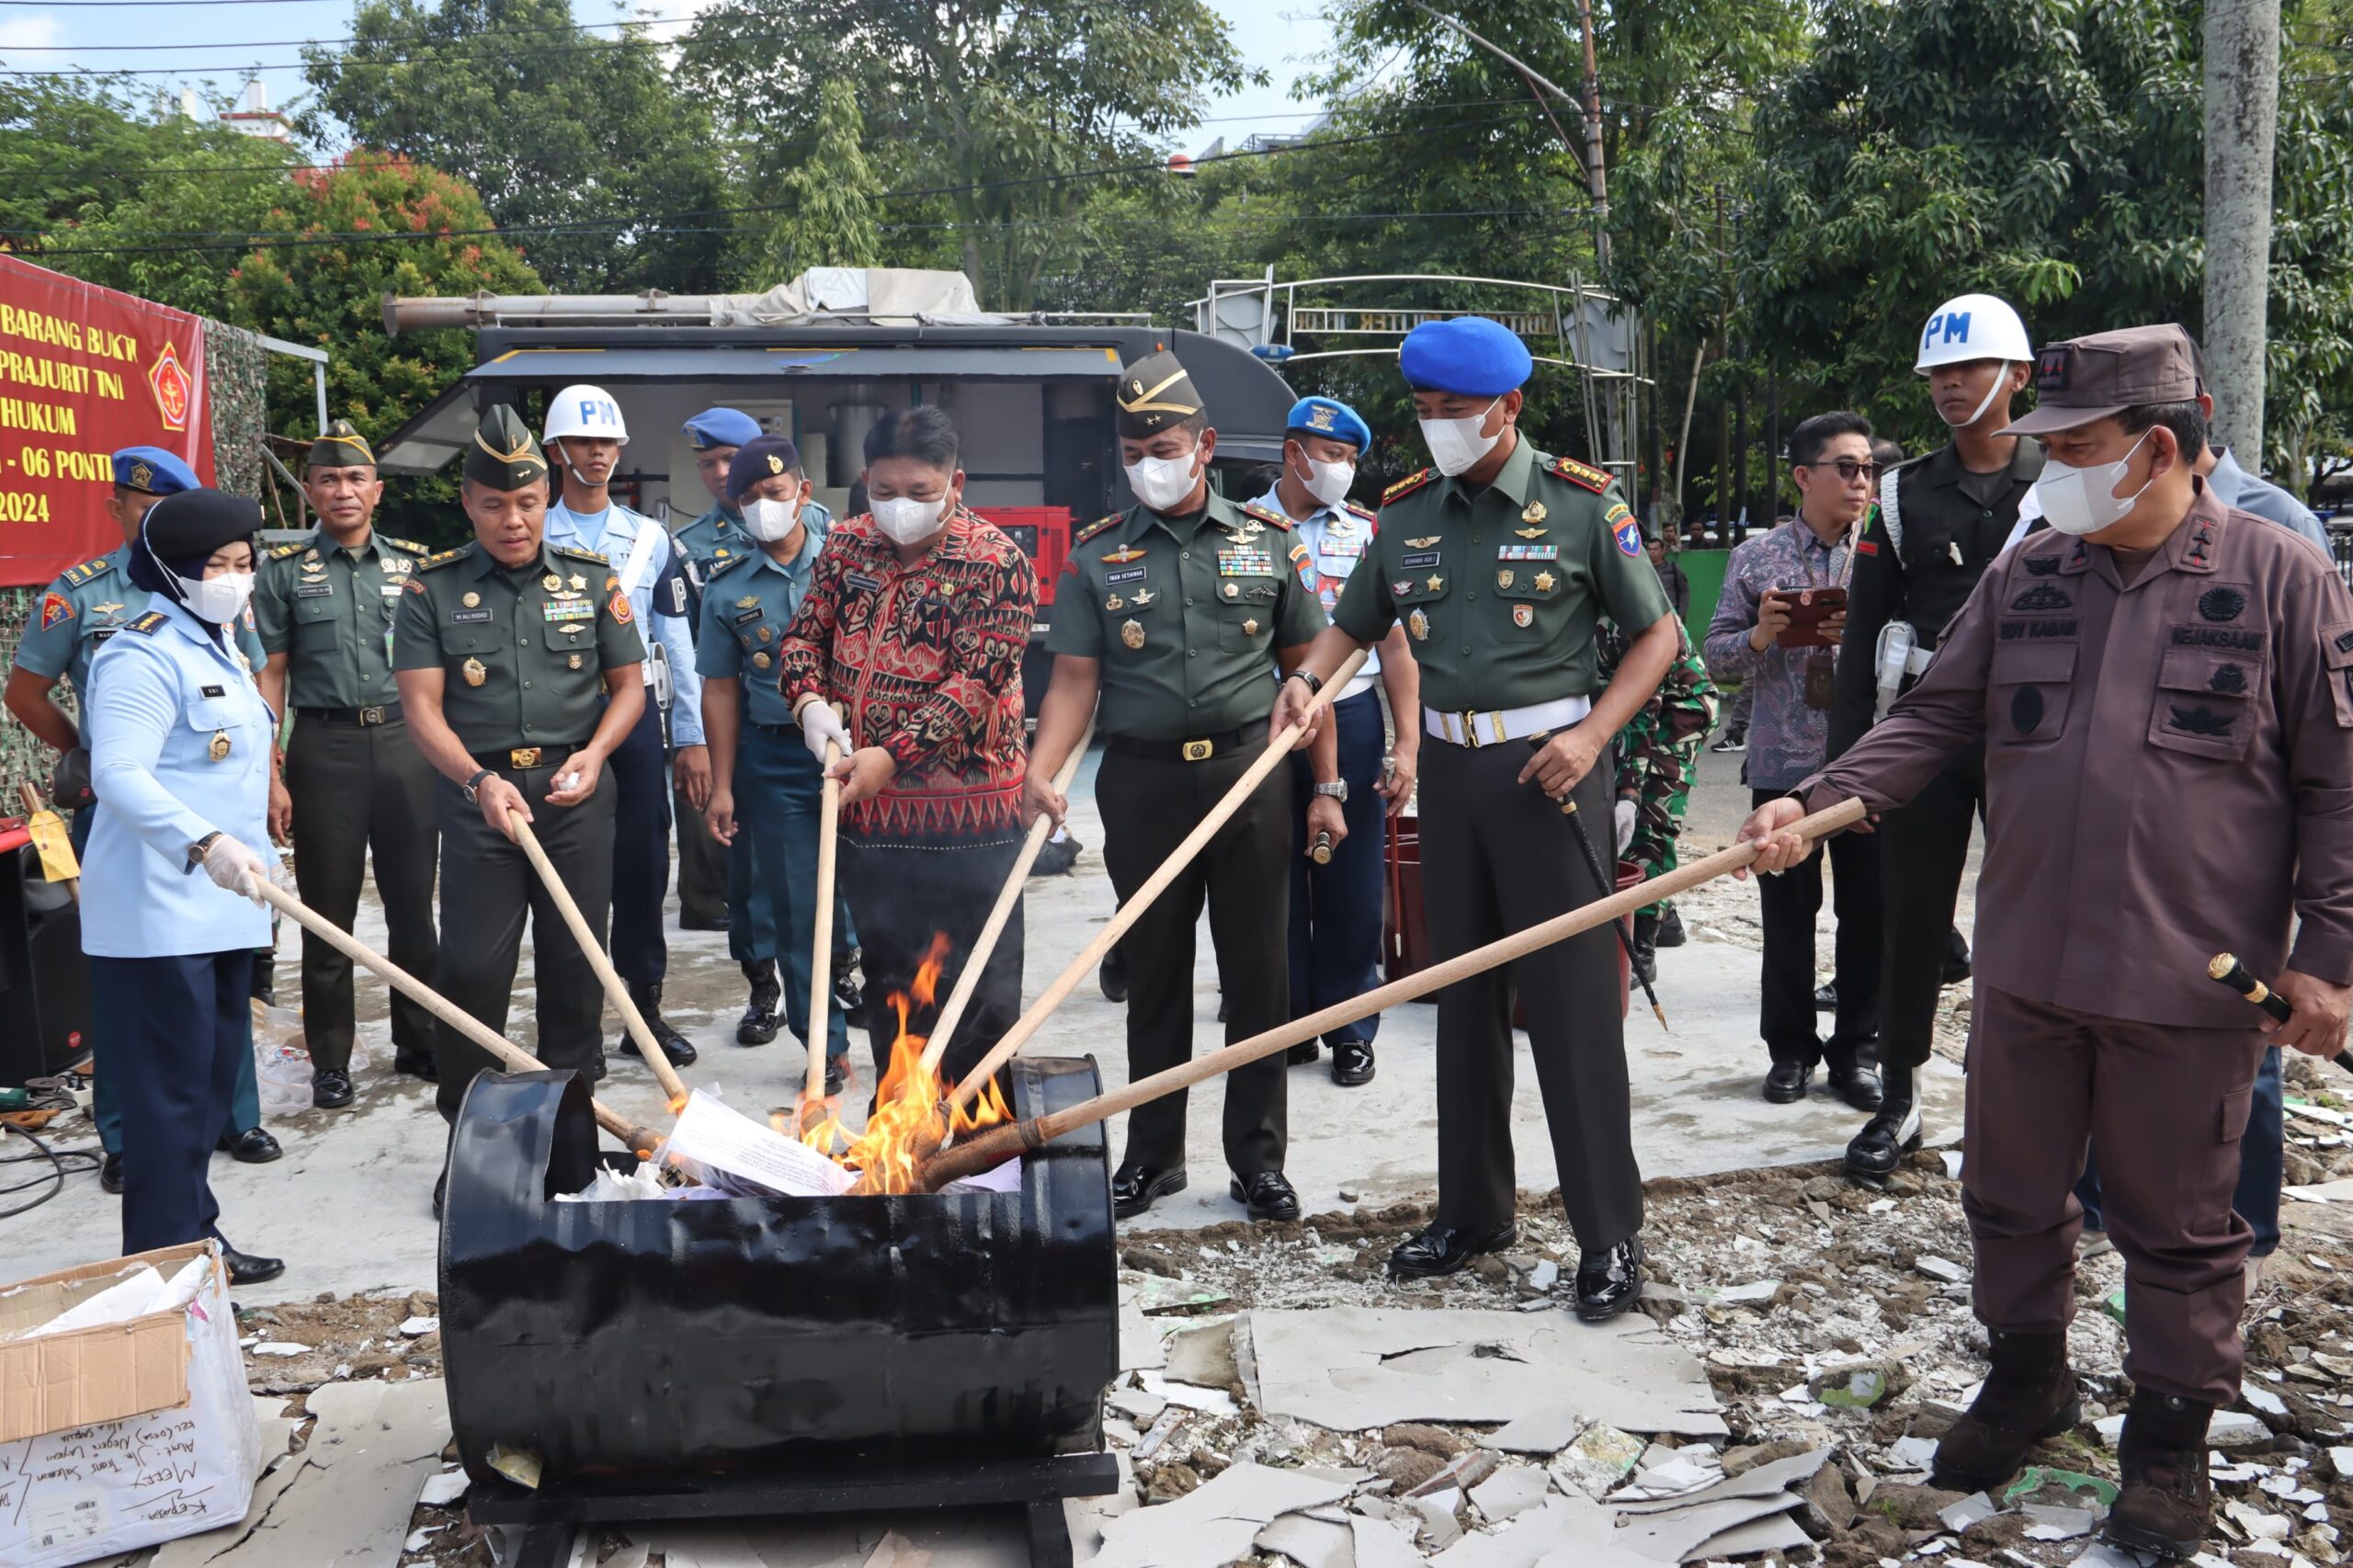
(1849, 470)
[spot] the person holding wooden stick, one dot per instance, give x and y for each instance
(906, 654)
(517, 663)
(1176, 611)
(1498, 565)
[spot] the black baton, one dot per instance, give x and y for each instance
(2227, 969)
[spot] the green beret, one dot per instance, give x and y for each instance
(1155, 394)
(342, 447)
(504, 456)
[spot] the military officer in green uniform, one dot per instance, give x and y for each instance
(350, 779)
(1500, 564)
(1176, 615)
(518, 664)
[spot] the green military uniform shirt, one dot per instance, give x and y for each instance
(524, 648)
(1185, 614)
(1499, 586)
(330, 611)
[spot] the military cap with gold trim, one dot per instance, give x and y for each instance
(342, 447)
(504, 456)
(1155, 395)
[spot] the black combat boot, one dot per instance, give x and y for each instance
(1645, 959)
(2167, 1504)
(676, 1046)
(758, 1024)
(2029, 1394)
(1892, 1132)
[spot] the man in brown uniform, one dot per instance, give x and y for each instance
(2164, 686)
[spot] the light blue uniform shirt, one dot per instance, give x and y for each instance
(1336, 539)
(613, 533)
(739, 641)
(164, 693)
(84, 609)
(2234, 486)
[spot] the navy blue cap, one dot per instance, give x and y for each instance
(760, 458)
(1329, 417)
(721, 428)
(1469, 356)
(153, 471)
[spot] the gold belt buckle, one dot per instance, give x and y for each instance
(1470, 729)
(368, 716)
(1198, 750)
(524, 757)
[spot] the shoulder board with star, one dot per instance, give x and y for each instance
(721, 569)
(1266, 515)
(149, 624)
(1097, 527)
(446, 557)
(1408, 485)
(1365, 513)
(77, 575)
(1583, 475)
(409, 546)
(574, 552)
(284, 551)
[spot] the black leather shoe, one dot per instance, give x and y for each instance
(837, 1073)
(701, 920)
(254, 1146)
(758, 1024)
(849, 995)
(1646, 949)
(331, 1088)
(1825, 997)
(598, 1069)
(1893, 1133)
(1445, 1249)
(440, 1191)
(1351, 1063)
(1112, 976)
(110, 1174)
(676, 1046)
(1609, 1282)
(1302, 1054)
(1268, 1195)
(245, 1268)
(1785, 1085)
(1670, 927)
(1858, 1086)
(1135, 1188)
(417, 1067)
(1958, 968)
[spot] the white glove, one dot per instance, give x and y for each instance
(1626, 811)
(234, 866)
(819, 723)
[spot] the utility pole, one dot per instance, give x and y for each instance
(2241, 112)
(1595, 177)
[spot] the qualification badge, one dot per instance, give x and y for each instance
(474, 672)
(1534, 512)
(1503, 577)
(1131, 633)
(551, 581)
(1523, 615)
(471, 600)
(219, 749)
(1419, 625)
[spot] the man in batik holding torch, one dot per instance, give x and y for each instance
(906, 654)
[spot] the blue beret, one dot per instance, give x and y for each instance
(1329, 417)
(721, 428)
(153, 471)
(760, 458)
(1469, 356)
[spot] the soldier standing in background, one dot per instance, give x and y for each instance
(711, 878)
(1658, 758)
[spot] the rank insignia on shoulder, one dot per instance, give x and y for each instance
(445, 557)
(1408, 485)
(408, 544)
(576, 553)
(1273, 519)
(283, 551)
(1583, 475)
(1097, 527)
(1354, 510)
(149, 624)
(77, 575)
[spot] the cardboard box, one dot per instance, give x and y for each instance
(122, 1435)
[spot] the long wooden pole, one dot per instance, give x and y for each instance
(592, 947)
(639, 1139)
(1132, 909)
(968, 979)
(1000, 1144)
(821, 962)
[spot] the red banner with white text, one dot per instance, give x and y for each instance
(85, 371)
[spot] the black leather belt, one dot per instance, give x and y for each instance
(1223, 743)
(787, 728)
(522, 759)
(353, 718)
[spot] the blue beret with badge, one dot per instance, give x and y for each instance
(1468, 355)
(1329, 417)
(153, 471)
(721, 428)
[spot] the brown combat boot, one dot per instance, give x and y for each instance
(2167, 1504)
(2029, 1394)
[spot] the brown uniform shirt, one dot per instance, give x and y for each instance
(2168, 764)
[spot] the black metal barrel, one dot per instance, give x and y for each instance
(672, 1339)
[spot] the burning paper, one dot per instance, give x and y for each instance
(720, 1147)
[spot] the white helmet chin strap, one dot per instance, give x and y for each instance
(2001, 379)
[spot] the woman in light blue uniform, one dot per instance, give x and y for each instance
(171, 906)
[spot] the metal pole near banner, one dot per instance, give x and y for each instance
(318, 358)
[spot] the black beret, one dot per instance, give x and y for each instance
(1155, 394)
(504, 456)
(342, 447)
(763, 456)
(189, 525)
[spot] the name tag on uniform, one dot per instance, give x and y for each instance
(213, 690)
(1133, 574)
(469, 617)
(390, 589)
(1423, 558)
(316, 590)
(564, 610)
(860, 580)
(744, 618)
(1242, 564)
(1529, 552)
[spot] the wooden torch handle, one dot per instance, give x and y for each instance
(820, 963)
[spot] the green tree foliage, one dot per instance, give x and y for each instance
(574, 139)
(328, 291)
(827, 219)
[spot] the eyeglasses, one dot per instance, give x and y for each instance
(1849, 470)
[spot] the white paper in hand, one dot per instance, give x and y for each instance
(724, 1148)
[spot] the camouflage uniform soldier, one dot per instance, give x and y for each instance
(1658, 758)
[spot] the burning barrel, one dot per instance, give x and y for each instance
(650, 1341)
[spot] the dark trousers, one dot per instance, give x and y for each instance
(903, 897)
(639, 770)
(2263, 1163)
(1787, 903)
(2168, 1108)
(703, 880)
(357, 789)
(751, 913)
(487, 889)
(176, 1027)
(780, 795)
(1148, 805)
(1497, 857)
(1923, 854)
(1335, 908)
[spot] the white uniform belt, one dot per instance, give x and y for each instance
(1505, 723)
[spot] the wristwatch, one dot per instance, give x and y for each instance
(1337, 789)
(202, 847)
(475, 783)
(1314, 682)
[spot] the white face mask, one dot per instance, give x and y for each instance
(1163, 482)
(217, 600)
(1456, 445)
(906, 521)
(1328, 483)
(2084, 500)
(2001, 379)
(768, 521)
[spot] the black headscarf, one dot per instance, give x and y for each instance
(180, 533)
